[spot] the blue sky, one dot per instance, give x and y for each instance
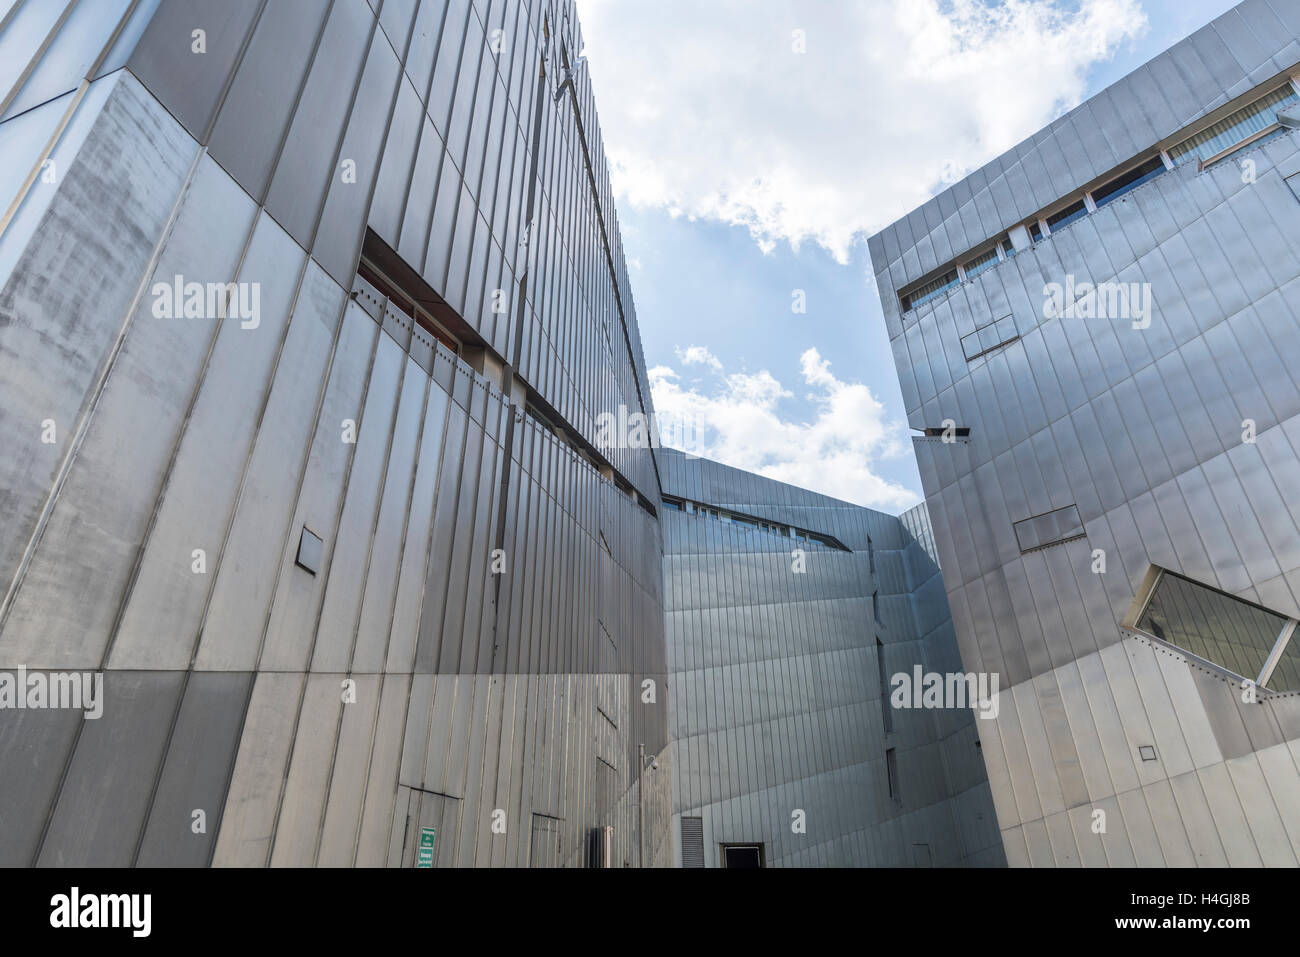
(756, 143)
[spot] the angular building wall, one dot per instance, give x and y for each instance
(1113, 447)
(779, 655)
(343, 547)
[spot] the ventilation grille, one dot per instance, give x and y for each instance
(692, 842)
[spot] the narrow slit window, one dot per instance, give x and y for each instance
(985, 260)
(930, 290)
(1128, 182)
(1066, 216)
(1248, 125)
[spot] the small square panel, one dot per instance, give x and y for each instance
(309, 551)
(1147, 752)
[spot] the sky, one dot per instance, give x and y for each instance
(756, 144)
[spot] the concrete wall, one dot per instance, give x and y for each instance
(317, 718)
(1142, 430)
(776, 691)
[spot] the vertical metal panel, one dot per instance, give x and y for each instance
(305, 168)
(194, 777)
(246, 575)
(375, 617)
(155, 371)
(291, 628)
(169, 50)
(341, 823)
(161, 617)
(104, 797)
(77, 294)
(34, 746)
(336, 627)
(253, 799)
(263, 96)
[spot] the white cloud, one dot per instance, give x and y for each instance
(740, 423)
(707, 111)
(699, 355)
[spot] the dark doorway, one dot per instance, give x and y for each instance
(743, 856)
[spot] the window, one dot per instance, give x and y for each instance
(1248, 125)
(1066, 216)
(1051, 528)
(988, 337)
(1035, 230)
(743, 856)
(938, 432)
(930, 290)
(891, 772)
(871, 555)
(1128, 182)
(887, 712)
(1008, 248)
(875, 606)
(1236, 635)
(672, 505)
(981, 262)
(403, 303)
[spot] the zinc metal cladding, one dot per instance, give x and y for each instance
(1177, 442)
(160, 472)
(776, 690)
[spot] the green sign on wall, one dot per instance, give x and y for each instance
(427, 836)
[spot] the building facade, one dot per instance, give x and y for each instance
(1097, 335)
(789, 614)
(309, 311)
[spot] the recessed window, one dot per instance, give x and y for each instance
(887, 712)
(1008, 247)
(309, 551)
(1066, 216)
(990, 336)
(1128, 182)
(891, 772)
(939, 432)
(743, 856)
(931, 290)
(1244, 127)
(1236, 635)
(984, 261)
(406, 306)
(672, 505)
(1051, 528)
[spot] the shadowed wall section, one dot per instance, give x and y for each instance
(774, 647)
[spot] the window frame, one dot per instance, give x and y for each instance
(1146, 594)
(1208, 161)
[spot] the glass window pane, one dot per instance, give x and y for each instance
(931, 290)
(1128, 182)
(981, 263)
(1231, 130)
(1067, 216)
(1233, 634)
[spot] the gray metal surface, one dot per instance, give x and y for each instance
(776, 688)
(1145, 430)
(155, 539)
